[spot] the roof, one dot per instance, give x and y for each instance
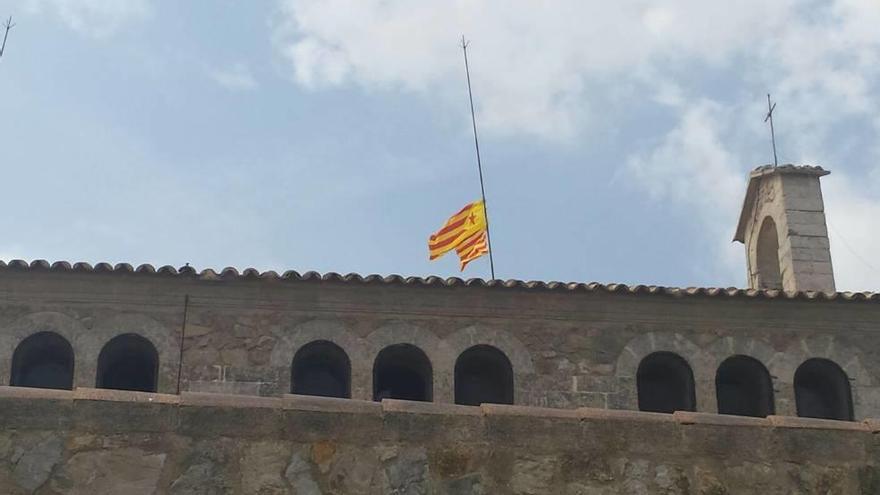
(752, 190)
(291, 276)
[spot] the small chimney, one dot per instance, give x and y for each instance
(782, 225)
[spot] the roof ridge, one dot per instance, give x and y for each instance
(231, 273)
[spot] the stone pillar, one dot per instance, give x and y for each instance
(782, 225)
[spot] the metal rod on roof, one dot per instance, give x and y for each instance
(182, 336)
(464, 45)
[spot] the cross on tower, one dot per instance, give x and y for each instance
(9, 25)
(769, 117)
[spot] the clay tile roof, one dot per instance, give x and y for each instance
(230, 273)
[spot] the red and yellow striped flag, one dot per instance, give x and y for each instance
(472, 248)
(459, 228)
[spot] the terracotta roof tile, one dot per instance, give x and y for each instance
(230, 273)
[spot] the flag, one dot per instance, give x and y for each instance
(472, 248)
(461, 227)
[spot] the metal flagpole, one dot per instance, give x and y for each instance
(467, 71)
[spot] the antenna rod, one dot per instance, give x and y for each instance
(464, 45)
(9, 25)
(182, 337)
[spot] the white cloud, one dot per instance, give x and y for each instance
(535, 65)
(95, 18)
(235, 77)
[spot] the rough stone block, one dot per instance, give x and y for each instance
(815, 423)
(690, 418)
(330, 404)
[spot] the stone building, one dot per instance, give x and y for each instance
(126, 380)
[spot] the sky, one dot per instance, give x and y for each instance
(335, 135)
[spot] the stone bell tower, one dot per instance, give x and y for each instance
(782, 225)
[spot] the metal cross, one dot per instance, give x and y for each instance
(769, 117)
(9, 25)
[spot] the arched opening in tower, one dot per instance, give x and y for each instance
(665, 383)
(822, 390)
(43, 360)
(743, 387)
(321, 368)
(769, 274)
(483, 374)
(402, 371)
(128, 362)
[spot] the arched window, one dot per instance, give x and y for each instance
(769, 274)
(128, 362)
(321, 368)
(744, 388)
(402, 371)
(43, 360)
(665, 384)
(483, 374)
(822, 390)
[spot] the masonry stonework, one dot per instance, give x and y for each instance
(98, 441)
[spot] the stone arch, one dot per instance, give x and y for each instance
(743, 387)
(483, 374)
(165, 340)
(321, 368)
(291, 341)
(665, 383)
(849, 359)
(65, 326)
(518, 354)
(128, 362)
(822, 390)
(403, 371)
(734, 345)
(626, 368)
(43, 360)
(437, 351)
(767, 255)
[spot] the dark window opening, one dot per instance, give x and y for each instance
(822, 390)
(321, 368)
(744, 388)
(665, 384)
(402, 371)
(483, 374)
(43, 360)
(769, 273)
(128, 362)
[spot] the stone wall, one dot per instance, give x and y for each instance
(570, 346)
(97, 441)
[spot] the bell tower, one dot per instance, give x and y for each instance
(782, 225)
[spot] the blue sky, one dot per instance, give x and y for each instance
(334, 135)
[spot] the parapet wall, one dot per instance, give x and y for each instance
(102, 441)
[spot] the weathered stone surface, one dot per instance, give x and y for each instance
(571, 453)
(263, 466)
(533, 475)
(34, 458)
(201, 478)
(406, 472)
(299, 474)
(127, 470)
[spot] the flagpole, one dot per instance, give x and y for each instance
(464, 45)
